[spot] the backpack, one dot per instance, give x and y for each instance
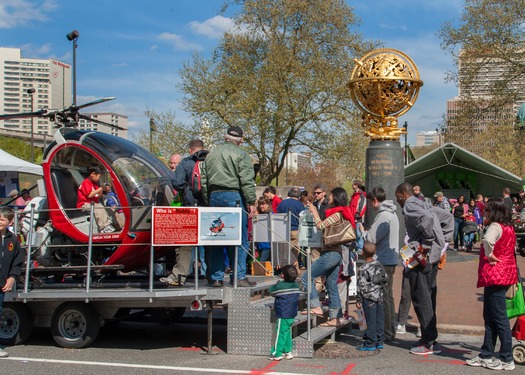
(195, 180)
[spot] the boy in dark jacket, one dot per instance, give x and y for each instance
(11, 257)
(371, 279)
(286, 304)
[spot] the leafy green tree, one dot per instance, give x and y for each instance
(166, 136)
(21, 149)
(281, 76)
(487, 45)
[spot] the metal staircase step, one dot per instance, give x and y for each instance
(305, 348)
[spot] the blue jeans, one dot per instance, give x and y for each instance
(469, 240)
(496, 323)
(264, 251)
(327, 264)
(215, 254)
(375, 322)
(202, 260)
(359, 240)
(458, 236)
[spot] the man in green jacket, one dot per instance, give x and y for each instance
(228, 180)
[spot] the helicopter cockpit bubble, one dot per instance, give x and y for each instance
(139, 179)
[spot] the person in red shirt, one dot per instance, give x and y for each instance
(90, 191)
(271, 194)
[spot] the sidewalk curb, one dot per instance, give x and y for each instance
(461, 330)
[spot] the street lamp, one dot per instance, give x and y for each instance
(31, 91)
(73, 36)
(405, 126)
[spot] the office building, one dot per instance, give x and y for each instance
(51, 80)
(108, 118)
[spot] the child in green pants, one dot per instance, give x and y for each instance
(286, 295)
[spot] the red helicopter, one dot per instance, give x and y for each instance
(60, 231)
(216, 227)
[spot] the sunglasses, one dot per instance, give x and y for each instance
(318, 192)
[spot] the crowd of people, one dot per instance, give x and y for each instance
(434, 226)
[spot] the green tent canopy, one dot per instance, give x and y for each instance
(456, 171)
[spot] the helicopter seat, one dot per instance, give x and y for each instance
(66, 190)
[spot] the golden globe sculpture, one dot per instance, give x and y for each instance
(384, 85)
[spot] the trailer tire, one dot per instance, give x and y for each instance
(16, 323)
(75, 325)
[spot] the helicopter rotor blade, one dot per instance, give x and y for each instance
(87, 118)
(98, 101)
(40, 113)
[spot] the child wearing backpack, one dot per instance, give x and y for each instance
(371, 279)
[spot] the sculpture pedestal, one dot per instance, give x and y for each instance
(384, 168)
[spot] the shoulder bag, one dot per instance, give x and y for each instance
(339, 233)
(516, 304)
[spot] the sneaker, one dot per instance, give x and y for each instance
(215, 284)
(3, 353)
(416, 344)
(362, 347)
(108, 229)
(171, 280)
(426, 349)
(418, 333)
(287, 355)
(401, 329)
(500, 365)
(244, 283)
(481, 362)
(379, 346)
(275, 357)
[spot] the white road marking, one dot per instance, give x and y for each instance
(153, 367)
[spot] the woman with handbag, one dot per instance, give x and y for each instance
(496, 272)
(329, 262)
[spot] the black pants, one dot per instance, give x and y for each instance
(421, 282)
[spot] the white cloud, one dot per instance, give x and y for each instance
(37, 52)
(212, 28)
(15, 13)
(178, 42)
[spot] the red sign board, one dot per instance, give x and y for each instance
(175, 226)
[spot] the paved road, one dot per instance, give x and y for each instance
(139, 348)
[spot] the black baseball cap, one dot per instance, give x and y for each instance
(235, 131)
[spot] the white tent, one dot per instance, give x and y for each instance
(10, 163)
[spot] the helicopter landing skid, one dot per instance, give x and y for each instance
(74, 269)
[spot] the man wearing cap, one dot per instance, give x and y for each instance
(442, 201)
(228, 180)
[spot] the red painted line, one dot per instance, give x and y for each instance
(346, 371)
(190, 349)
(265, 369)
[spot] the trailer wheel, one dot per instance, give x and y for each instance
(75, 325)
(518, 353)
(16, 323)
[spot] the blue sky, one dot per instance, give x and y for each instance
(133, 49)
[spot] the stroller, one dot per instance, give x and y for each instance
(518, 331)
(469, 229)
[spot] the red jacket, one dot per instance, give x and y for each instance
(358, 205)
(504, 272)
